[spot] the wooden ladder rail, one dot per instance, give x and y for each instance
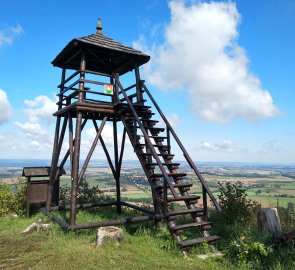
(150, 145)
(205, 188)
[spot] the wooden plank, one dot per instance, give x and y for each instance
(191, 225)
(60, 221)
(68, 79)
(185, 212)
(192, 242)
(136, 207)
(112, 222)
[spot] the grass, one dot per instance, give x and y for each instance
(143, 247)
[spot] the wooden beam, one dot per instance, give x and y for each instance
(116, 156)
(98, 135)
(105, 150)
(76, 159)
(122, 150)
(113, 222)
(68, 152)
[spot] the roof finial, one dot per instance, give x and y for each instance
(98, 27)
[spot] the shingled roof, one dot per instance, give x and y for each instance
(103, 54)
(39, 171)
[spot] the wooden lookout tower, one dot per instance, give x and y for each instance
(91, 92)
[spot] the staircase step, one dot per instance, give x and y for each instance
(167, 156)
(163, 147)
(169, 174)
(192, 242)
(185, 212)
(191, 225)
(157, 129)
(179, 185)
(156, 137)
(152, 129)
(165, 164)
(148, 121)
(141, 106)
(183, 198)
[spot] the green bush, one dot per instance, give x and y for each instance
(86, 194)
(236, 208)
(287, 217)
(6, 200)
(245, 251)
(12, 203)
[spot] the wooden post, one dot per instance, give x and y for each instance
(71, 143)
(117, 169)
(268, 220)
(63, 162)
(76, 157)
(205, 204)
(54, 160)
(138, 84)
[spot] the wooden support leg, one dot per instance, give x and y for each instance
(98, 134)
(28, 210)
(71, 143)
(55, 144)
(68, 152)
(58, 140)
(75, 179)
(205, 203)
(157, 209)
(117, 174)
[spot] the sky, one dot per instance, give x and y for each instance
(221, 71)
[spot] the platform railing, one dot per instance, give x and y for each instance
(69, 89)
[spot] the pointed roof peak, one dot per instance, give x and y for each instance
(98, 27)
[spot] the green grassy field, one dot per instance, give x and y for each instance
(143, 247)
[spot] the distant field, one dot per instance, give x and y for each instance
(267, 188)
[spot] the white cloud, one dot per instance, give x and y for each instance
(224, 146)
(270, 146)
(40, 108)
(5, 109)
(31, 129)
(8, 34)
(173, 120)
(107, 134)
(36, 132)
(200, 55)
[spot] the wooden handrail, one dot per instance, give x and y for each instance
(185, 153)
(127, 88)
(68, 88)
(68, 79)
(150, 145)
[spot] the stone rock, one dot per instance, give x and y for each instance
(36, 226)
(110, 232)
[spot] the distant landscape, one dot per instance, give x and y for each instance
(269, 184)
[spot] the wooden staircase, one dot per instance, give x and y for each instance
(170, 188)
